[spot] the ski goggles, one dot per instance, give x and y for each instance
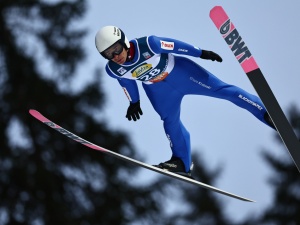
(115, 49)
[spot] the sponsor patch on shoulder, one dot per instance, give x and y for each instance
(121, 70)
(167, 45)
(146, 55)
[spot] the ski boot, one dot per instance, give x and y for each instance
(175, 165)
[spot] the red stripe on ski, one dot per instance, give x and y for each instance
(74, 137)
(233, 39)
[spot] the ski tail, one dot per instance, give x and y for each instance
(257, 79)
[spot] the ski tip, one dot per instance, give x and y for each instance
(33, 111)
(215, 10)
(37, 115)
(217, 7)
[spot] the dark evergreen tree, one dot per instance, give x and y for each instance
(285, 181)
(46, 178)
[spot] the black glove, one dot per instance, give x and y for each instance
(134, 111)
(211, 55)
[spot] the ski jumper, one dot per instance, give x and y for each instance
(167, 78)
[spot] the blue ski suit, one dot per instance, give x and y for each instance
(167, 78)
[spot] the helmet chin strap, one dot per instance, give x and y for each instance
(130, 53)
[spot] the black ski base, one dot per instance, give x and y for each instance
(279, 119)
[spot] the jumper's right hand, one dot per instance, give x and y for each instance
(134, 111)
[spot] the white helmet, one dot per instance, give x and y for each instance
(109, 35)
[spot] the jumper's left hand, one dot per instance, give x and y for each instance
(211, 55)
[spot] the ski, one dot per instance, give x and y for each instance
(74, 137)
(256, 77)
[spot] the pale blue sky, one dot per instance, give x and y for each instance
(221, 132)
